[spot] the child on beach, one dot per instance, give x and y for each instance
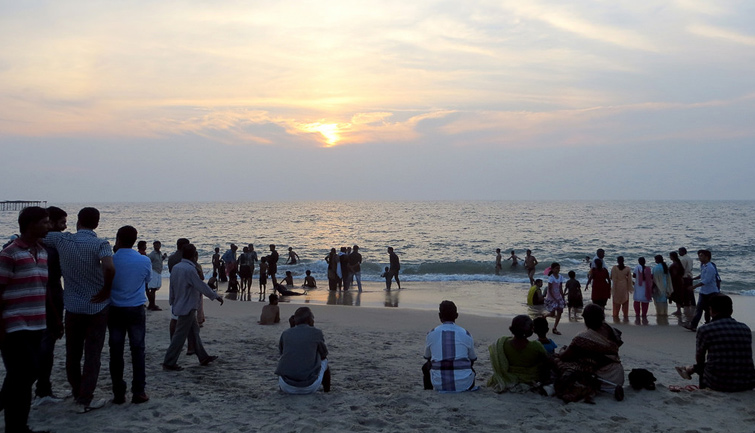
(554, 298)
(271, 313)
(233, 284)
(263, 278)
(288, 280)
(309, 281)
(573, 295)
(535, 295)
(540, 326)
(388, 278)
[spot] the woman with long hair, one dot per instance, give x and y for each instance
(676, 272)
(643, 288)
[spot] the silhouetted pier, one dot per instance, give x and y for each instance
(20, 204)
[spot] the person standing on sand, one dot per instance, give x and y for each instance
(272, 265)
(621, 286)
(156, 259)
(643, 289)
(395, 266)
(230, 260)
(709, 286)
(54, 312)
(177, 256)
(450, 354)
(530, 262)
(186, 290)
(554, 296)
(126, 316)
(498, 258)
(216, 263)
(601, 287)
(303, 364)
(676, 271)
(688, 265)
(23, 284)
(86, 263)
(355, 266)
(343, 259)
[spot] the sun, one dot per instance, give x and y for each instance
(329, 131)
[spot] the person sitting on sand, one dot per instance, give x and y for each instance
(309, 281)
(540, 326)
(591, 363)
(518, 364)
(535, 295)
(724, 351)
(303, 365)
(450, 354)
(271, 313)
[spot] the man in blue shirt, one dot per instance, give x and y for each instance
(127, 315)
(708, 287)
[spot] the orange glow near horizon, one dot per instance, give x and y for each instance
(329, 131)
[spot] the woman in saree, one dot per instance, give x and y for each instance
(662, 288)
(591, 362)
(519, 364)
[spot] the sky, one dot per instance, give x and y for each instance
(112, 101)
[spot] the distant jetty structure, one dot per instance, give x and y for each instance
(20, 204)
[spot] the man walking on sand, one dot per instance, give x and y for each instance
(132, 274)
(395, 266)
(186, 290)
(86, 263)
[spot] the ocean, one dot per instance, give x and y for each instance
(447, 242)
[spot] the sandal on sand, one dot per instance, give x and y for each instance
(691, 388)
(93, 405)
(683, 372)
(555, 332)
(674, 388)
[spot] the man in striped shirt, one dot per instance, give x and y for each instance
(450, 354)
(23, 286)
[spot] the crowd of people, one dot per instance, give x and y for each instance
(109, 288)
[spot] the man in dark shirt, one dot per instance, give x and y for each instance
(355, 266)
(724, 351)
(272, 264)
(303, 365)
(395, 266)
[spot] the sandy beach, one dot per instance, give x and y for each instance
(375, 357)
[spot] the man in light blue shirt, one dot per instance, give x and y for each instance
(127, 315)
(708, 287)
(186, 290)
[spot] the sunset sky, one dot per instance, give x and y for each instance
(380, 100)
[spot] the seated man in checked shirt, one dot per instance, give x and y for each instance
(724, 351)
(450, 354)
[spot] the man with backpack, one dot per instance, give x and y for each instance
(710, 284)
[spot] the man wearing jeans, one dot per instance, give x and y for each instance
(708, 287)
(86, 263)
(127, 315)
(23, 281)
